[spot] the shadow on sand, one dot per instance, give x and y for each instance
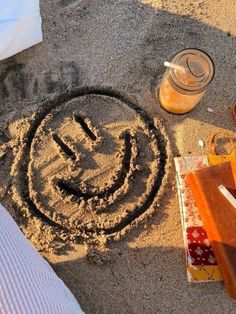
(122, 45)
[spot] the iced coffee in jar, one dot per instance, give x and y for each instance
(185, 81)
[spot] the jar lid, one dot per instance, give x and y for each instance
(199, 71)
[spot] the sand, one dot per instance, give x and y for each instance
(86, 166)
(85, 145)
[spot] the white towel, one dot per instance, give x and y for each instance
(20, 26)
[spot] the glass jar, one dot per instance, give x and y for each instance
(181, 91)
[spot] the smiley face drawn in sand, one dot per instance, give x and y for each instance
(95, 164)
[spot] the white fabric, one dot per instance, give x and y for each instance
(20, 26)
(28, 285)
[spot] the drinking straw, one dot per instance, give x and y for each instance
(227, 195)
(175, 66)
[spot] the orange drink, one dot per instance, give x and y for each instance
(184, 84)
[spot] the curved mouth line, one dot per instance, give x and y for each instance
(67, 188)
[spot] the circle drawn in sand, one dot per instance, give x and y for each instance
(96, 164)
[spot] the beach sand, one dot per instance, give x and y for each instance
(83, 104)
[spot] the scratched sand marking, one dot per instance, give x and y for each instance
(86, 165)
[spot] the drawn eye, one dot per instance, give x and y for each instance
(63, 147)
(85, 125)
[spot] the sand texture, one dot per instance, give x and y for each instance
(86, 152)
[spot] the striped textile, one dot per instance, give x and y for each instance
(28, 285)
